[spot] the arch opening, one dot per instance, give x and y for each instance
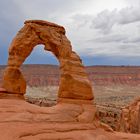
(42, 77)
(74, 82)
(41, 56)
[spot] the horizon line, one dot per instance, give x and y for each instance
(84, 65)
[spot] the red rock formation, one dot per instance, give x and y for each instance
(74, 81)
(130, 118)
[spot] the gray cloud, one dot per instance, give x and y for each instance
(129, 49)
(132, 40)
(129, 15)
(81, 20)
(110, 38)
(117, 38)
(55, 11)
(105, 20)
(112, 49)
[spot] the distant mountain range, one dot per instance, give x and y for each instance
(44, 75)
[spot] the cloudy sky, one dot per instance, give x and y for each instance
(102, 32)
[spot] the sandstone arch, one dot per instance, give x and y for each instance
(74, 83)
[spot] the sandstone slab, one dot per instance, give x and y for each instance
(20, 120)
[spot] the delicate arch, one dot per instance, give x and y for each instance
(74, 82)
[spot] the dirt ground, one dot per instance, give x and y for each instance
(118, 95)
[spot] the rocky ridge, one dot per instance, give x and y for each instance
(130, 118)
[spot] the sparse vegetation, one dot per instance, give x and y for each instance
(117, 95)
